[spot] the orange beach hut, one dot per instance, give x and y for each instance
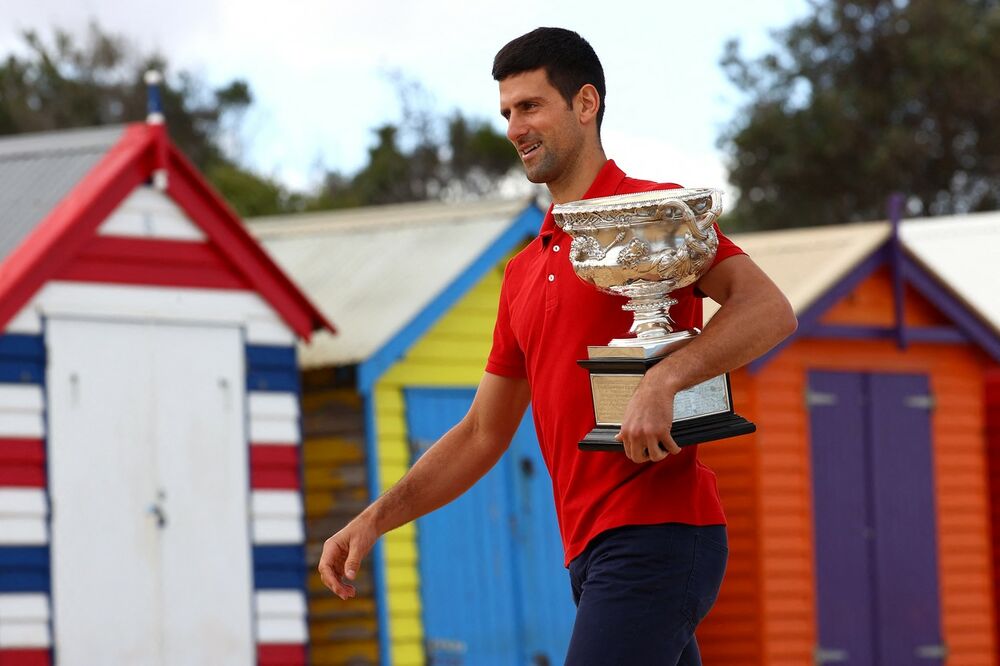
(860, 511)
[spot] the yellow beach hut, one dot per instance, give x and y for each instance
(415, 289)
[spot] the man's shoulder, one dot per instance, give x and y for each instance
(518, 263)
(631, 185)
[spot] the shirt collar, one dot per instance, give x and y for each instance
(608, 179)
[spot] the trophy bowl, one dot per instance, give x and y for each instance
(643, 246)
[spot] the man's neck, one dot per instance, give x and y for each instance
(579, 179)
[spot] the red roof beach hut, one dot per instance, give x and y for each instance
(150, 491)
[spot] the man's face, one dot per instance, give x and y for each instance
(542, 127)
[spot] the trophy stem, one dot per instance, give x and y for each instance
(652, 330)
(651, 316)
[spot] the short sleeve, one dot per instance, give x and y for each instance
(727, 248)
(506, 358)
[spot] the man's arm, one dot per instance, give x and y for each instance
(446, 470)
(754, 317)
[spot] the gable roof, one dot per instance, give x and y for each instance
(949, 259)
(960, 251)
(804, 263)
(91, 172)
(379, 268)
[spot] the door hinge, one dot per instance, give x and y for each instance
(931, 651)
(822, 655)
(919, 401)
(819, 398)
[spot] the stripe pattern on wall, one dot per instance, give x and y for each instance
(276, 505)
(25, 609)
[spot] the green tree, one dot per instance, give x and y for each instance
(424, 157)
(64, 83)
(478, 155)
(863, 98)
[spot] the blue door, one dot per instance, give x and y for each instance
(875, 523)
(493, 587)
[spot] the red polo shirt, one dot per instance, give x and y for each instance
(546, 319)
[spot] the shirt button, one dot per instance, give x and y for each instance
(555, 248)
(552, 278)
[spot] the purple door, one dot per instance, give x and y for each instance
(876, 545)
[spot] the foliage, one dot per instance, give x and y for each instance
(866, 97)
(424, 157)
(65, 84)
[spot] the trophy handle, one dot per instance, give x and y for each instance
(709, 220)
(713, 214)
(687, 216)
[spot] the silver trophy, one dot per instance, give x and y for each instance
(644, 246)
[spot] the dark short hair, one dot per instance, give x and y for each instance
(568, 60)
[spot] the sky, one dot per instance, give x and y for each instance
(320, 72)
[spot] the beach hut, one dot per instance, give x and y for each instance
(415, 288)
(150, 496)
(860, 510)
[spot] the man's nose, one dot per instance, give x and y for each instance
(515, 129)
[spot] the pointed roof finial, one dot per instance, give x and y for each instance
(154, 103)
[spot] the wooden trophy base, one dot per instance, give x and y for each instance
(685, 433)
(702, 413)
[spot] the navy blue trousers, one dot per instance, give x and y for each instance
(641, 590)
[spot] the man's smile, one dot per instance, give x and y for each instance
(530, 148)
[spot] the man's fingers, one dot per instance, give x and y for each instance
(670, 445)
(331, 569)
(351, 566)
(630, 450)
(640, 448)
(657, 452)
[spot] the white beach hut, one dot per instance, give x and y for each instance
(150, 493)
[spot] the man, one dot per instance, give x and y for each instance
(643, 532)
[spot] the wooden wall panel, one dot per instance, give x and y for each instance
(872, 305)
(730, 635)
(335, 484)
(786, 583)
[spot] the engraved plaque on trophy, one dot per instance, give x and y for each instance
(644, 246)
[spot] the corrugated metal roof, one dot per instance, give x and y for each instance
(961, 251)
(372, 270)
(38, 170)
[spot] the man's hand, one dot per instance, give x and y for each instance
(342, 555)
(645, 429)
(753, 318)
(446, 470)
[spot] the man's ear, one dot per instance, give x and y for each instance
(587, 103)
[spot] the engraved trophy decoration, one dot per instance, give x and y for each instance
(644, 246)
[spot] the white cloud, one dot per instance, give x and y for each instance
(316, 67)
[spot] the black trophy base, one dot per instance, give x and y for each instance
(685, 433)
